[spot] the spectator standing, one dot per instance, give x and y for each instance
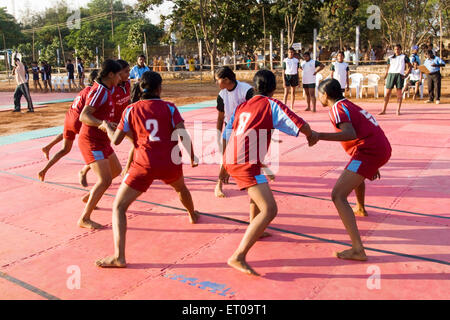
(22, 86)
(433, 64)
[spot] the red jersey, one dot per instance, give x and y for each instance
(249, 133)
(121, 98)
(73, 114)
(100, 98)
(370, 137)
(152, 123)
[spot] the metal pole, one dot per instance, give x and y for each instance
(34, 59)
(62, 47)
(315, 45)
(357, 46)
(282, 45)
(271, 52)
(234, 54)
(118, 48)
(112, 22)
(96, 58)
(6, 58)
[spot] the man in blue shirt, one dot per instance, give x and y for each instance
(433, 64)
(414, 56)
(138, 70)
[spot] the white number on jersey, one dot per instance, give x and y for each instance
(152, 126)
(75, 102)
(243, 119)
(369, 117)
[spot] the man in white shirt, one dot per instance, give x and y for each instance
(310, 68)
(22, 87)
(340, 71)
(395, 76)
(232, 94)
(290, 76)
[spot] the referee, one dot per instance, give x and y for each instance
(22, 86)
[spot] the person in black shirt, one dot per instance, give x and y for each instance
(35, 71)
(48, 70)
(71, 74)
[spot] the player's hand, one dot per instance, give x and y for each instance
(113, 125)
(268, 172)
(376, 176)
(313, 138)
(385, 76)
(224, 176)
(103, 126)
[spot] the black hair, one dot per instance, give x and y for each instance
(307, 53)
(332, 88)
(16, 59)
(430, 53)
(398, 46)
(264, 82)
(150, 82)
(291, 49)
(341, 52)
(123, 64)
(226, 72)
(92, 76)
(68, 60)
(108, 66)
(141, 56)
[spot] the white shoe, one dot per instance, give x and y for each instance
(437, 101)
(428, 101)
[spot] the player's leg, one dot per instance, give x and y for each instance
(67, 146)
(124, 198)
(218, 191)
(416, 89)
(48, 147)
(254, 211)
(312, 94)
(386, 100)
(264, 200)
(347, 182)
(399, 100)
(82, 175)
(360, 192)
(308, 99)
(292, 97)
(186, 199)
(102, 170)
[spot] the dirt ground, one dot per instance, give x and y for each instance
(180, 92)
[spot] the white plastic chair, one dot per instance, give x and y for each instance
(356, 83)
(413, 87)
(372, 82)
(56, 83)
(65, 81)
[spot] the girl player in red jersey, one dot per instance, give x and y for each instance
(254, 120)
(72, 127)
(94, 143)
(364, 140)
(152, 123)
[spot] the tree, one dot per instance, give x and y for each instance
(10, 29)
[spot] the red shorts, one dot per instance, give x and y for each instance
(71, 127)
(94, 150)
(140, 178)
(367, 165)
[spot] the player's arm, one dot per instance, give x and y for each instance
(187, 142)
(387, 71)
(348, 78)
(87, 117)
(347, 133)
(129, 161)
(319, 68)
(115, 135)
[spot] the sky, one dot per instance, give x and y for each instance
(41, 5)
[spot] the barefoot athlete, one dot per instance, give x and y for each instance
(72, 127)
(253, 121)
(94, 143)
(290, 76)
(364, 140)
(152, 123)
(232, 94)
(310, 68)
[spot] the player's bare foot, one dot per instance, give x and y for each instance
(193, 218)
(218, 191)
(41, 175)
(351, 254)
(82, 179)
(111, 262)
(398, 113)
(307, 109)
(382, 112)
(46, 152)
(360, 212)
(85, 198)
(89, 224)
(241, 265)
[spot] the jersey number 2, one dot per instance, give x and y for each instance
(369, 117)
(152, 126)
